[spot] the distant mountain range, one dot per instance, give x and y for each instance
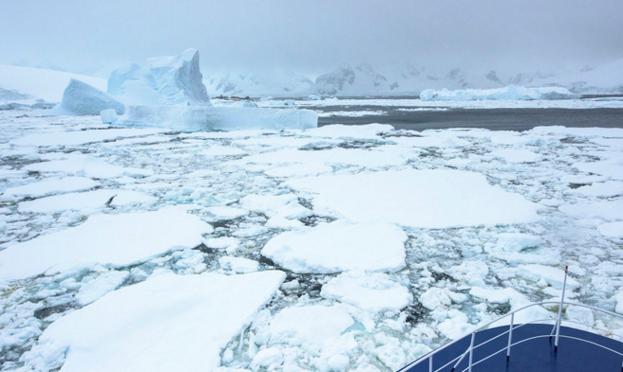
(408, 79)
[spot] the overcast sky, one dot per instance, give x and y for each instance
(313, 36)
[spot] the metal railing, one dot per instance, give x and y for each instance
(469, 352)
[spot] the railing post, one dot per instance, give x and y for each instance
(430, 363)
(510, 338)
(471, 351)
(562, 301)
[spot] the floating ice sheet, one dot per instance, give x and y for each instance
(340, 246)
(115, 240)
(369, 291)
(166, 323)
(424, 198)
(51, 186)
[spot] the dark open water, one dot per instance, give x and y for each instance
(494, 119)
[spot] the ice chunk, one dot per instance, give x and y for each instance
(515, 242)
(130, 197)
(239, 264)
(50, 186)
(286, 205)
(108, 116)
(309, 326)
(516, 156)
(470, 272)
(551, 275)
(340, 246)
(169, 322)
(605, 189)
(193, 118)
(270, 359)
(227, 213)
(510, 92)
(115, 240)
(99, 287)
(435, 298)
(165, 81)
(82, 99)
(498, 296)
(419, 198)
(612, 229)
(82, 201)
(610, 210)
(369, 291)
(612, 168)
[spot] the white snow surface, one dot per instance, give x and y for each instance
(340, 246)
(424, 198)
(510, 92)
(28, 80)
(115, 240)
(168, 322)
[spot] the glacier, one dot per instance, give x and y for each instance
(511, 92)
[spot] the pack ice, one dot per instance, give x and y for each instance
(511, 92)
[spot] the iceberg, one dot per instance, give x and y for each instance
(510, 92)
(170, 80)
(169, 92)
(197, 118)
(82, 99)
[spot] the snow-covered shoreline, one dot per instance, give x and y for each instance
(477, 222)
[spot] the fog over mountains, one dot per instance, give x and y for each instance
(408, 79)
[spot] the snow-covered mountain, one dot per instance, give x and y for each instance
(346, 80)
(409, 79)
(276, 84)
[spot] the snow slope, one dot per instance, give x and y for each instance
(42, 83)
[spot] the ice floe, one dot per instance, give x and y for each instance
(50, 186)
(115, 240)
(424, 198)
(168, 322)
(369, 291)
(340, 246)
